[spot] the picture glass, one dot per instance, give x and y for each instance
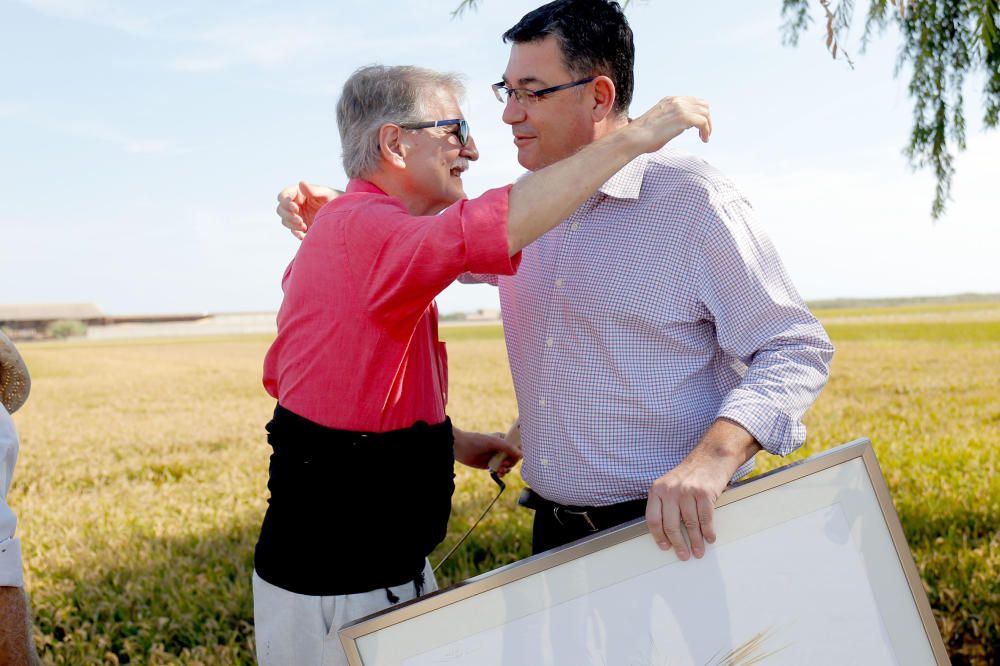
(802, 573)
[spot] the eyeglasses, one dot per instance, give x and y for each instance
(463, 127)
(527, 96)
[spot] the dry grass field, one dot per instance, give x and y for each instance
(141, 481)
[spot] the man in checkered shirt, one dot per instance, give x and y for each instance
(655, 339)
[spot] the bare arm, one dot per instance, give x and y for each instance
(478, 450)
(16, 648)
(686, 495)
(541, 200)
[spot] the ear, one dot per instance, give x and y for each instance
(604, 98)
(391, 145)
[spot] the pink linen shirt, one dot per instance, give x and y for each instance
(357, 345)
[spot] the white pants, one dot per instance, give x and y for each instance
(301, 630)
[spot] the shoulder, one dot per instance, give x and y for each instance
(691, 199)
(681, 177)
(348, 206)
(358, 217)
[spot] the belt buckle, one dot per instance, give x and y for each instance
(576, 514)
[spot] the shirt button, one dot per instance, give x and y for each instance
(548, 342)
(559, 283)
(545, 462)
(573, 226)
(541, 402)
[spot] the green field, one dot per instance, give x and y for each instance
(141, 481)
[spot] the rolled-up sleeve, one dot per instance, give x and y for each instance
(761, 320)
(484, 225)
(11, 571)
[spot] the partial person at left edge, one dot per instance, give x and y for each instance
(16, 648)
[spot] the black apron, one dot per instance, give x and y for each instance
(353, 512)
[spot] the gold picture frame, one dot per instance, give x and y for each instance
(810, 566)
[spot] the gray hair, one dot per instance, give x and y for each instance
(376, 95)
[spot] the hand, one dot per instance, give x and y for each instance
(668, 119)
(298, 205)
(686, 495)
(476, 449)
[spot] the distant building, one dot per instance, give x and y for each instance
(30, 322)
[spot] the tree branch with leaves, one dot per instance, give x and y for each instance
(944, 42)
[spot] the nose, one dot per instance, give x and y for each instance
(469, 150)
(512, 111)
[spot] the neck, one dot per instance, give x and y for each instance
(611, 123)
(591, 133)
(395, 186)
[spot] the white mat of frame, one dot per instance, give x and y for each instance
(810, 567)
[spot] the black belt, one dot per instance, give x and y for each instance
(591, 518)
(348, 513)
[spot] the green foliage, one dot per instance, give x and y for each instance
(66, 328)
(141, 480)
(943, 42)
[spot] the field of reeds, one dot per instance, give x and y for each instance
(141, 481)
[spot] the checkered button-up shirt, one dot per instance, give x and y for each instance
(656, 308)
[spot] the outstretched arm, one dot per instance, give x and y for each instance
(533, 207)
(543, 199)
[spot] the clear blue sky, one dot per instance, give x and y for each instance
(143, 143)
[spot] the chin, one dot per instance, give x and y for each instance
(529, 159)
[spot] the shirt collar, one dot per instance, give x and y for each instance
(627, 183)
(360, 185)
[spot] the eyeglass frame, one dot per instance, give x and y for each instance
(520, 94)
(463, 127)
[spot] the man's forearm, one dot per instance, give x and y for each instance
(686, 495)
(16, 647)
(541, 200)
(726, 445)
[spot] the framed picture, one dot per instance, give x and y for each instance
(810, 567)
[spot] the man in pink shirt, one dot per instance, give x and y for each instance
(361, 476)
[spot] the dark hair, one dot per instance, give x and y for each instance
(594, 38)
